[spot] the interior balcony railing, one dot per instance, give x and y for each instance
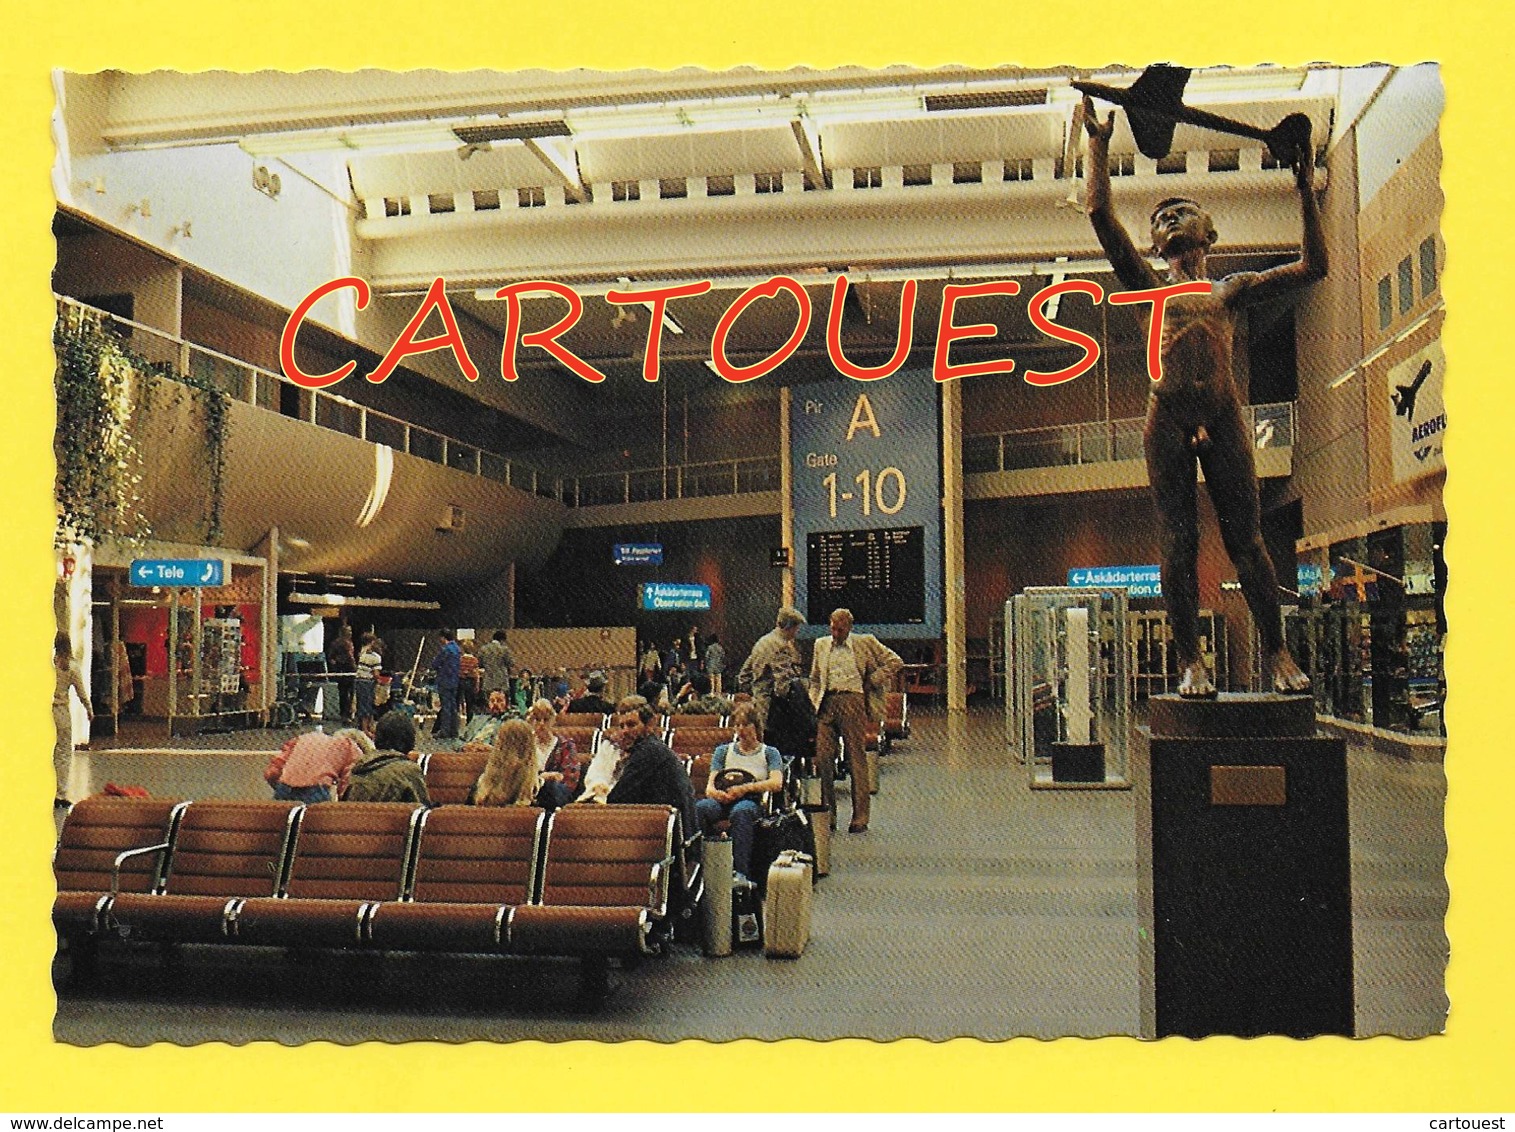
(1097, 442)
(276, 393)
(674, 481)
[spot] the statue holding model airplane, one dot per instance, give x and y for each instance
(1194, 414)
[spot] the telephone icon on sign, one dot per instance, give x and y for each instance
(210, 572)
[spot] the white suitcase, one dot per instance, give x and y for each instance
(786, 907)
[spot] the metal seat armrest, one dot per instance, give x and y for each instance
(657, 885)
(122, 858)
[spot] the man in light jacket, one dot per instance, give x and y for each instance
(849, 678)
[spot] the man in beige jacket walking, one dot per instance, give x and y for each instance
(849, 678)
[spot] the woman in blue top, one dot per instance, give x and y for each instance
(740, 803)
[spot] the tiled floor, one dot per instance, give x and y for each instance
(973, 907)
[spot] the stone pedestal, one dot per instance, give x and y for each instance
(1246, 882)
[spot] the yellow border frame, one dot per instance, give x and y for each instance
(1466, 1070)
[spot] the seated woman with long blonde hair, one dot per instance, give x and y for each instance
(557, 760)
(510, 775)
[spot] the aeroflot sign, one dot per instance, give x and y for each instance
(947, 331)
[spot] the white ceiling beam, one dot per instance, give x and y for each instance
(166, 108)
(562, 162)
(722, 236)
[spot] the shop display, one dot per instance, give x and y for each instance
(1067, 662)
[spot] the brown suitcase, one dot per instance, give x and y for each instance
(786, 907)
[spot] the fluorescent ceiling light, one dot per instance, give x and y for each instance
(352, 599)
(508, 130)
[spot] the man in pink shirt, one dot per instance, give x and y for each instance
(312, 768)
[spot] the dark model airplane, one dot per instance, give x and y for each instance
(1404, 395)
(1154, 106)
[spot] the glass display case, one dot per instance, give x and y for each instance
(1068, 701)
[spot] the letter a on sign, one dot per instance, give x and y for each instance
(862, 417)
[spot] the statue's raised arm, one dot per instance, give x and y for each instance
(1134, 272)
(1312, 264)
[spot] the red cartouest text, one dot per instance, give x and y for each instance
(947, 332)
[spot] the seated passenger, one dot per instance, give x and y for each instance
(652, 774)
(700, 700)
(483, 726)
(311, 768)
(760, 769)
(656, 694)
(557, 690)
(510, 776)
(557, 762)
(385, 772)
(593, 700)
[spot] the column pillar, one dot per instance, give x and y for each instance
(956, 623)
(786, 501)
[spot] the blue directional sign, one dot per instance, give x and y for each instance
(196, 572)
(1139, 581)
(638, 554)
(662, 596)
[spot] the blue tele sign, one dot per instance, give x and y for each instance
(206, 572)
(638, 554)
(662, 596)
(1311, 579)
(1139, 581)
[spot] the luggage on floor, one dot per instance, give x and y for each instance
(746, 915)
(786, 907)
(715, 863)
(810, 793)
(775, 833)
(820, 825)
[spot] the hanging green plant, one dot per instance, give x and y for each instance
(101, 384)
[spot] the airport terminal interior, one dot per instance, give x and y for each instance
(619, 365)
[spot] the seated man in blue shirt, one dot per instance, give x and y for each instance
(482, 727)
(740, 803)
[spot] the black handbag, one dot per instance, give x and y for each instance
(776, 833)
(733, 776)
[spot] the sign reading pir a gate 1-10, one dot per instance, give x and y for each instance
(867, 495)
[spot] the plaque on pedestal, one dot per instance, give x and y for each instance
(1078, 762)
(1246, 885)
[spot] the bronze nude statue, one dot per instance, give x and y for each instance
(1194, 412)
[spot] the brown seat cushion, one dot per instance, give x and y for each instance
(536, 930)
(437, 927)
(299, 923)
(450, 775)
(170, 919)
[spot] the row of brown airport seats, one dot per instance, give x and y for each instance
(589, 882)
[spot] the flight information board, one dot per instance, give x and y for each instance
(878, 574)
(865, 471)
